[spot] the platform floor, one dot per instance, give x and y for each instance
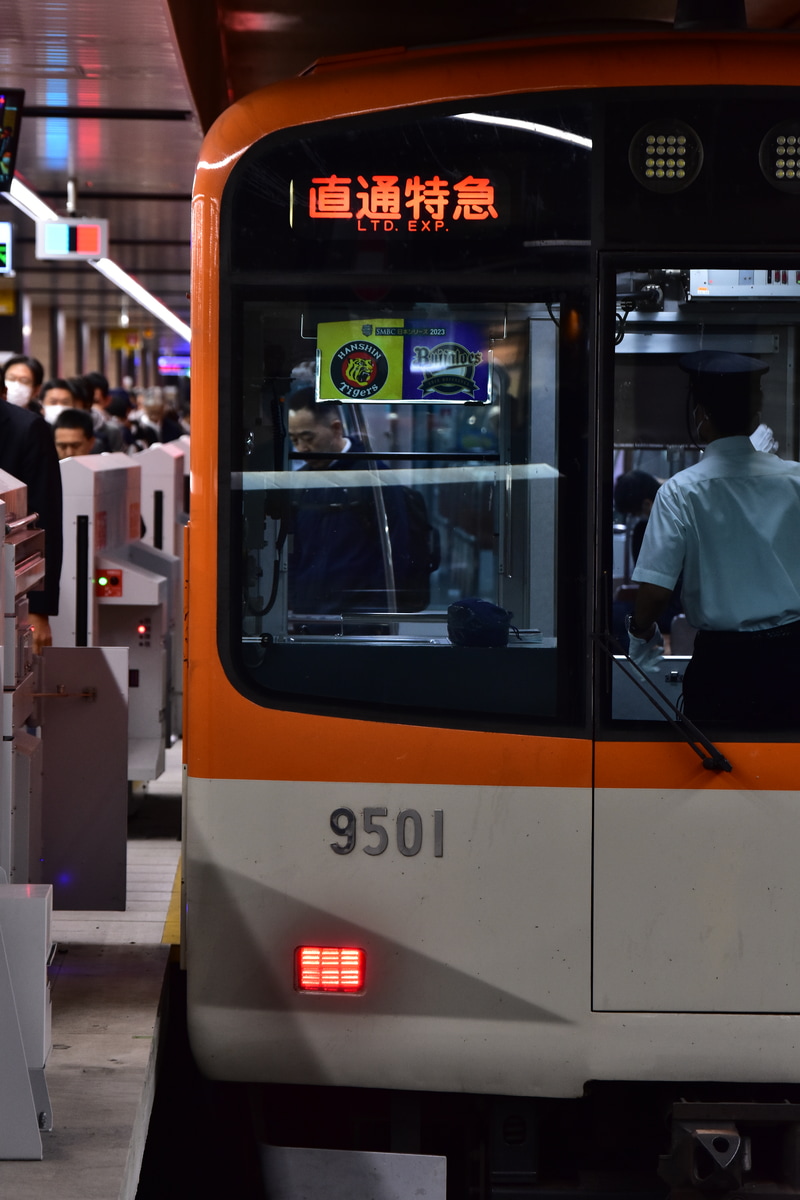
(106, 979)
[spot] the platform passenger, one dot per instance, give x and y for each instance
(634, 493)
(56, 395)
(73, 434)
(27, 452)
(60, 395)
(22, 378)
(104, 422)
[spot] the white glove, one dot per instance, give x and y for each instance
(647, 653)
(764, 439)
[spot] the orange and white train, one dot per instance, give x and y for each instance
(493, 875)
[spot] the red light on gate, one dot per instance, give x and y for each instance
(329, 969)
(141, 629)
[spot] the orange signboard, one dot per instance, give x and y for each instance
(415, 205)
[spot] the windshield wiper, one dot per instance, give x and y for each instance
(712, 758)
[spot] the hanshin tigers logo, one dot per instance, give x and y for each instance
(359, 370)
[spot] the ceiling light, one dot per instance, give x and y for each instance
(259, 22)
(28, 202)
(126, 283)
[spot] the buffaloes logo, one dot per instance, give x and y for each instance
(448, 368)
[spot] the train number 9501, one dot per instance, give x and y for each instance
(408, 831)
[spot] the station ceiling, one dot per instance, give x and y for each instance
(118, 94)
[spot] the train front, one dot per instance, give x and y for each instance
(440, 836)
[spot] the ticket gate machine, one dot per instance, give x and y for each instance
(117, 591)
(21, 568)
(25, 1018)
(163, 495)
(25, 903)
(185, 443)
(164, 518)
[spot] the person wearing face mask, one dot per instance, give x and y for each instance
(60, 395)
(730, 523)
(56, 395)
(28, 453)
(22, 378)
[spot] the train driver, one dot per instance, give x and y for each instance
(730, 522)
(337, 563)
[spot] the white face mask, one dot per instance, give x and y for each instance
(18, 393)
(53, 411)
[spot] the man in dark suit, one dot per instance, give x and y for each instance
(27, 452)
(338, 560)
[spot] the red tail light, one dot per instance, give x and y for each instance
(329, 969)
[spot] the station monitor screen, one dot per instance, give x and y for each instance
(10, 112)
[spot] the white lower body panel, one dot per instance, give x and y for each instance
(479, 962)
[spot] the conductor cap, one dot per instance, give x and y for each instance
(708, 364)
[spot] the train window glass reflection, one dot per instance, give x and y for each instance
(361, 259)
(662, 315)
(402, 464)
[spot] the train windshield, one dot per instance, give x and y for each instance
(424, 413)
(407, 303)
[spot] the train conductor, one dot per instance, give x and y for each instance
(731, 523)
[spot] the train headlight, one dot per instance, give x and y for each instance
(665, 156)
(779, 156)
(329, 969)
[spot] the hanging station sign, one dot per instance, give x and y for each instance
(72, 238)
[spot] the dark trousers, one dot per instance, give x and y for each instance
(751, 680)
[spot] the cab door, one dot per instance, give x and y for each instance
(696, 889)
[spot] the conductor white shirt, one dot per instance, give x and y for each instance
(731, 523)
